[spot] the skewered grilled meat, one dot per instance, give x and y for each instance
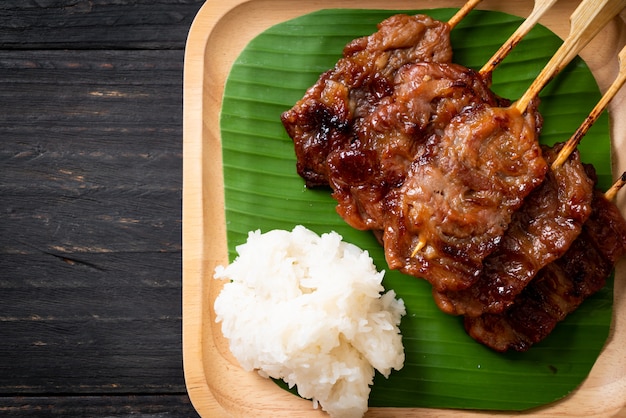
(460, 193)
(540, 232)
(560, 287)
(420, 151)
(323, 120)
(425, 98)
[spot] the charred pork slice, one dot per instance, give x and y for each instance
(560, 287)
(460, 194)
(425, 99)
(322, 121)
(541, 231)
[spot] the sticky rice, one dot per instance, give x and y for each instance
(311, 310)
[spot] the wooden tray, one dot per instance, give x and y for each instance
(217, 386)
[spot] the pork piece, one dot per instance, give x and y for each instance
(322, 121)
(425, 98)
(560, 287)
(541, 231)
(417, 149)
(460, 193)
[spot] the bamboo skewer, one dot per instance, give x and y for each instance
(463, 11)
(540, 7)
(573, 142)
(421, 244)
(611, 194)
(587, 20)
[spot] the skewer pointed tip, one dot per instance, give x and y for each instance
(420, 245)
(611, 194)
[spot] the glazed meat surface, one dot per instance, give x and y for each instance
(425, 98)
(550, 219)
(460, 193)
(418, 149)
(453, 182)
(560, 287)
(322, 121)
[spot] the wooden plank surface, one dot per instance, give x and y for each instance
(96, 406)
(95, 24)
(90, 207)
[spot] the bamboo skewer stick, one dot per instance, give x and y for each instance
(573, 142)
(421, 244)
(587, 20)
(611, 194)
(463, 11)
(540, 7)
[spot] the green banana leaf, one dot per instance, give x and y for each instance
(444, 367)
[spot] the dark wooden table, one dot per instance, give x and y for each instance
(90, 207)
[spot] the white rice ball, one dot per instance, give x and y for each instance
(308, 310)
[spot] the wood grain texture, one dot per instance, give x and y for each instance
(90, 207)
(95, 24)
(89, 405)
(95, 158)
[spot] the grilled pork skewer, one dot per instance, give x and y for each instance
(540, 7)
(460, 193)
(541, 231)
(561, 286)
(326, 118)
(323, 121)
(379, 157)
(436, 199)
